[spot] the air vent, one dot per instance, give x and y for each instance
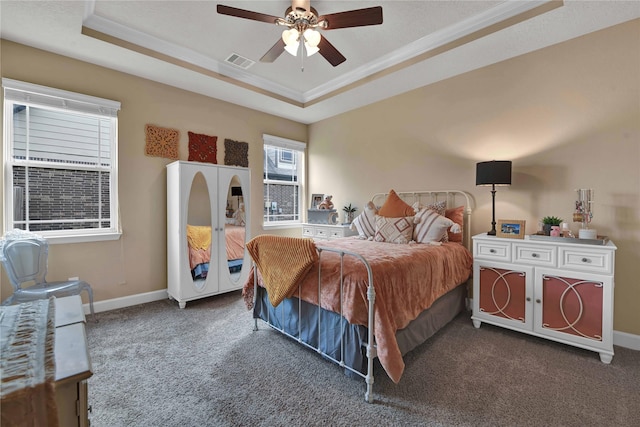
(240, 61)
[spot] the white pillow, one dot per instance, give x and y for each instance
(430, 226)
(394, 230)
(365, 223)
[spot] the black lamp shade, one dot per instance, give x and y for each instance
(236, 191)
(495, 172)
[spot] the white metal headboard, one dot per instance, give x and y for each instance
(452, 198)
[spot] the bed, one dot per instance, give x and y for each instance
(359, 298)
(199, 244)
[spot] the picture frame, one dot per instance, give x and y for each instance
(316, 199)
(511, 228)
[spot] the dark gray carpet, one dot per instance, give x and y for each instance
(157, 365)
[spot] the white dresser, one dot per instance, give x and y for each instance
(327, 231)
(550, 289)
(73, 364)
(31, 381)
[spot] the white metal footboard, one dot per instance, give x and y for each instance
(371, 296)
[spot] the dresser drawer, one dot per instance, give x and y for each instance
(534, 255)
(499, 251)
(579, 259)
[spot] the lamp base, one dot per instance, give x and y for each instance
(491, 233)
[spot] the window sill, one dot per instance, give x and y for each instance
(85, 238)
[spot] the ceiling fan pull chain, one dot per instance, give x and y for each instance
(301, 47)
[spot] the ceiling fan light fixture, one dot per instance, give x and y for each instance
(290, 37)
(312, 37)
(292, 48)
(311, 50)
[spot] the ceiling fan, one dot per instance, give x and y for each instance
(301, 21)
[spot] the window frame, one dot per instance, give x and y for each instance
(301, 148)
(47, 98)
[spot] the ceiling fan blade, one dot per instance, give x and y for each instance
(352, 18)
(330, 53)
(247, 14)
(274, 52)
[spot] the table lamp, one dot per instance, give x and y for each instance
(495, 172)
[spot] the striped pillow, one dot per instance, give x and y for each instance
(394, 230)
(430, 226)
(365, 223)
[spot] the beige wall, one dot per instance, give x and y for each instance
(137, 262)
(568, 117)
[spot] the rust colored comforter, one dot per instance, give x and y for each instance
(407, 280)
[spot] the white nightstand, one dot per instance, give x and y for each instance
(327, 231)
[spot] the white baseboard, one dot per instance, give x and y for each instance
(626, 340)
(128, 301)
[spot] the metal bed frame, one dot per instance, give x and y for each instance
(410, 197)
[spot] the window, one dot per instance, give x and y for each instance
(282, 173)
(60, 160)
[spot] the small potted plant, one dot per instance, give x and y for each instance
(349, 212)
(548, 222)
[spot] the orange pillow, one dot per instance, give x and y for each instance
(395, 207)
(456, 215)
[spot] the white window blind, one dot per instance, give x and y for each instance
(61, 162)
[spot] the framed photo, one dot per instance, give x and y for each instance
(316, 199)
(510, 228)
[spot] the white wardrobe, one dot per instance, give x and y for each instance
(200, 194)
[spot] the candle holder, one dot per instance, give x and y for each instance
(584, 213)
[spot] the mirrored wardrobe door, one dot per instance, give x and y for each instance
(201, 239)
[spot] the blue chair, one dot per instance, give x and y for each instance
(25, 260)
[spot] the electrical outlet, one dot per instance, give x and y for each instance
(74, 278)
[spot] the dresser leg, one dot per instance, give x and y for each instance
(476, 323)
(606, 358)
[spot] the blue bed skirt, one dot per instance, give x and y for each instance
(288, 316)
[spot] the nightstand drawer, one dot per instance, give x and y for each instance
(321, 233)
(579, 259)
(307, 231)
(498, 251)
(334, 234)
(534, 255)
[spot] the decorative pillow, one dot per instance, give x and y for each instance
(365, 223)
(430, 227)
(395, 207)
(439, 207)
(456, 215)
(393, 230)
